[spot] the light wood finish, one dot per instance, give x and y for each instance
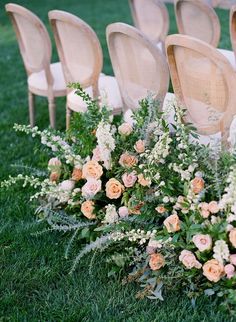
(198, 19)
(152, 18)
(233, 28)
(202, 79)
(44, 79)
(139, 66)
(81, 56)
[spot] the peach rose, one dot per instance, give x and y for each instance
(189, 260)
(125, 129)
(139, 146)
(232, 237)
(127, 160)
(129, 179)
(232, 259)
(229, 271)
(91, 188)
(213, 270)
(161, 209)
(92, 170)
(144, 182)
(114, 189)
(87, 209)
(202, 242)
(156, 261)
(213, 207)
(54, 176)
(172, 223)
(76, 174)
(197, 185)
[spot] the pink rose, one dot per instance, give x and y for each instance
(125, 129)
(54, 162)
(139, 146)
(233, 259)
(129, 179)
(229, 271)
(189, 260)
(96, 154)
(128, 160)
(67, 185)
(202, 242)
(213, 207)
(91, 188)
(123, 212)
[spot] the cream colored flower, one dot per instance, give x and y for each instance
(125, 129)
(189, 260)
(143, 181)
(127, 160)
(156, 261)
(172, 223)
(232, 237)
(76, 174)
(87, 209)
(202, 242)
(197, 185)
(139, 146)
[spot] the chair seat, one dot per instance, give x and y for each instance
(109, 93)
(38, 84)
(230, 56)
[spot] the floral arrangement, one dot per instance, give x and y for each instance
(158, 203)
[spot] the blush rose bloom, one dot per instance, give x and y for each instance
(91, 188)
(127, 160)
(213, 270)
(232, 259)
(92, 170)
(232, 237)
(114, 189)
(67, 185)
(76, 174)
(213, 207)
(54, 164)
(87, 209)
(197, 185)
(125, 129)
(172, 223)
(143, 181)
(96, 154)
(229, 271)
(203, 207)
(123, 212)
(189, 260)
(156, 261)
(129, 179)
(139, 146)
(202, 242)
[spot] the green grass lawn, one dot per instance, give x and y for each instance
(34, 280)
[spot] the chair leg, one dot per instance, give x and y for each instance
(52, 112)
(68, 117)
(31, 108)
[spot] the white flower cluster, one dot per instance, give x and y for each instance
(54, 142)
(228, 200)
(106, 142)
(32, 181)
(186, 174)
(160, 150)
(111, 215)
(135, 235)
(221, 251)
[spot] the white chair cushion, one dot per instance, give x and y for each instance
(109, 92)
(230, 56)
(38, 84)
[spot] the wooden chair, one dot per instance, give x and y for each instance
(44, 79)
(139, 66)
(233, 28)
(152, 18)
(202, 79)
(198, 19)
(81, 56)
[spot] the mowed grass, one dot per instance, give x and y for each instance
(34, 280)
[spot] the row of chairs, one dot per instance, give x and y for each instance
(202, 77)
(195, 18)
